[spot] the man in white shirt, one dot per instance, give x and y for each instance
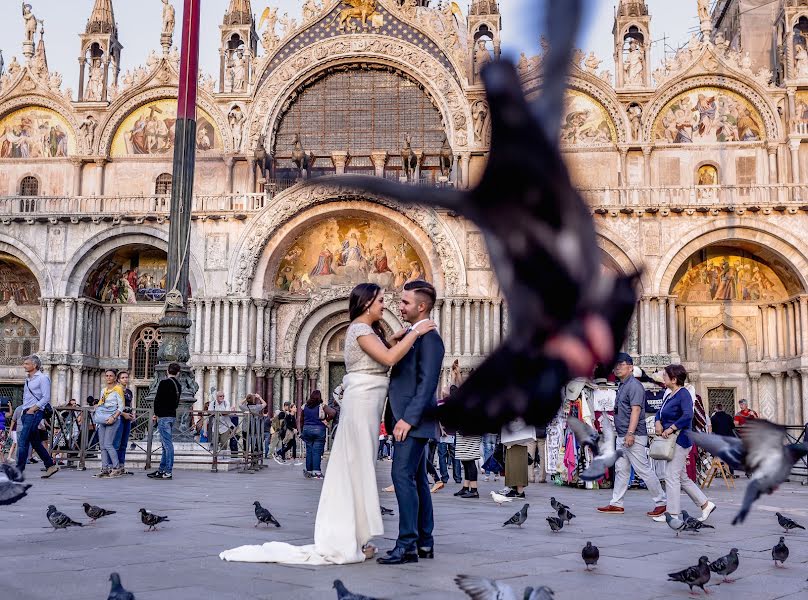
(222, 426)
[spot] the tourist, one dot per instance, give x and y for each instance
(515, 470)
(105, 417)
(335, 403)
(723, 424)
(267, 423)
(384, 446)
(676, 417)
(127, 418)
(313, 433)
(166, 401)
(467, 451)
(290, 442)
(445, 456)
(279, 426)
(221, 428)
(3, 432)
(254, 405)
(744, 414)
(35, 401)
(489, 445)
(632, 437)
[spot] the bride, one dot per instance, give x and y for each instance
(349, 515)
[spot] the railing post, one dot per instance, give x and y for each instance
(149, 439)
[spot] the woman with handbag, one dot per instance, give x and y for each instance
(672, 444)
(315, 413)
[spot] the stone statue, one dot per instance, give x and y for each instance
(311, 8)
(481, 57)
(634, 118)
(262, 158)
(479, 113)
(236, 119)
(746, 62)
(239, 72)
(168, 18)
(592, 63)
(446, 158)
(288, 24)
(95, 82)
(703, 7)
(304, 162)
(88, 128)
(721, 43)
(634, 67)
(30, 22)
(152, 61)
(524, 64)
(800, 61)
(409, 160)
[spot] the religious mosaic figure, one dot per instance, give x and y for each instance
(634, 66)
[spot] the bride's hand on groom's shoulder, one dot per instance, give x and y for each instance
(398, 335)
(426, 327)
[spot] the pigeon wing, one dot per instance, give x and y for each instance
(764, 442)
(481, 588)
(11, 492)
(752, 493)
(729, 449)
(586, 435)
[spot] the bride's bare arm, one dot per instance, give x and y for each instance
(373, 346)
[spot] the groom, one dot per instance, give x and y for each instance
(413, 382)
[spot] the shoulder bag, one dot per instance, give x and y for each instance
(664, 448)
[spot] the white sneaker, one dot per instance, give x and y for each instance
(278, 459)
(661, 518)
(708, 510)
(298, 463)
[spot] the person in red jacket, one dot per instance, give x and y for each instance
(745, 414)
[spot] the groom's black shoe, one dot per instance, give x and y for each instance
(398, 557)
(428, 552)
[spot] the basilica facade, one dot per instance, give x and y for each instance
(692, 170)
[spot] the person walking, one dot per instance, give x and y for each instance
(166, 401)
(127, 418)
(676, 417)
(279, 427)
(106, 419)
(35, 401)
(723, 424)
(313, 433)
(489, 445)
(467, 451)
(632, 437)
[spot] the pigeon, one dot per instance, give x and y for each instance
(590, 554)
(344, 593)
(555, 504)
(761, 451)
(12, 488)
(696, 576)
(602, 444)
(151, 519)
(674, 523)
(481, 588)
(519, 518)
(787, 524)
(499, 498)
(565, 515)
(726, 565)
(780, 552)
(59, 520)
(387, 511)
(117, 591)
(264, 516)
(693, 524)
(96, 512)
(556, 524)
(542, 243)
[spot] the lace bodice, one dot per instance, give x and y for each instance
(356, 361)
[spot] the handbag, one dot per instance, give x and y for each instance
(663, 448)
(517, 433)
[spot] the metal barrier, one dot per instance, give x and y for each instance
(797, 435)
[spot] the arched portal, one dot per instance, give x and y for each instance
(723, 359)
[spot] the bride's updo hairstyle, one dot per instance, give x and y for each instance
(362, 296)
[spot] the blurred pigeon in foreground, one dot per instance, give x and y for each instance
(590, 554)
(555, 523)
(541, 240)
(696, 576)
(117, 591)
(565, 515)
(726, 565)
(761, 451)
(480, 588)
(518, 518)
(96, 512)
(780, 552)
(151, 519)
(59, 520)
(386, 511)
(11, 487)
(692, 523)
(602, 444)
(555, 504)
(344, 594)
(264, 516)
(674, 523)
(787, 524)
(499, 498)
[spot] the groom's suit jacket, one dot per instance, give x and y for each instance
(413, 382)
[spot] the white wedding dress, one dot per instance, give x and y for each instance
(348, 515)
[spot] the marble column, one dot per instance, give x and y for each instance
(673, 334)
(340, 159)
(772, 151)
(227, 385)
(754, 380)
(213, 381)
(81, 310)
(259, 331)
(646, 163)
(217, 326)
(465, 162)
(446, 325)
(228, 173)
(61, 385)
(436, 314)
(466, 327)
(76, 388)
(269, 389)
(226, 326)
(299, 375)
(497, 321)
(49, 326)
(486, 320)
(242, 384)
(804, 325)
(662, 324)
(244, 346)
(105, 328)
(645, 326)
(761, 333)
(379, 159)
(273, 334)
(67, 343)
(234, 327)
(476, 306)
(99, 176)
(260, 384)
(457, 326)
(314, 376)
(781, 405)
(804, 388)
(199, 317)
(286, 385)
(251, 175)
(206, 330)
(201, 396)
(77, 167)
(794, 148)
(781, 330)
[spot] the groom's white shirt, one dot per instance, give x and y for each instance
(411, 327)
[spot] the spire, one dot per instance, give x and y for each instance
(484, 7)
(238, 13)
(632, 8)
(41, 58)
(102, 19)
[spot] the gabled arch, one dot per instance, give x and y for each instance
(56, 104)
(32, 260)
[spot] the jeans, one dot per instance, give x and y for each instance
(267, 438)
(106, 439)
(29, 435)
(489, 445)
(446, 453)
(315, 444)
(164, 426)
(122, 438)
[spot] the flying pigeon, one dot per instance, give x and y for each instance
(674, 523)
(344, 594)
(117, 591)
(541, 239)
(602, 444)
(264, 516)
(565, 515)
(692, 523)
(787, 524)
(519, 518)
(556, 524)
(59, 520)
(726, 565)
(96, 512)
(499, 498)
(555, 504)
(151, 519)
(11, 487)
(696, 576)
(761, 451)
(780, 552)
(386, 511)
(481, 588)
(590, 554)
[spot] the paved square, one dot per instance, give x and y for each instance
(212, 512)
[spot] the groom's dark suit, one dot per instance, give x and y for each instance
(413, 382)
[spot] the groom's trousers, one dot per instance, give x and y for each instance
(415, 521)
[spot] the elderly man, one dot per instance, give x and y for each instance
(744, 414)
(632, 437)
(35, 398)
(222, 427)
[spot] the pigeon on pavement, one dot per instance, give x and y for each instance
(386, 511)
(117, 591)
(692, 523)
(264, 516)
(499, 498)
(151, 519)
(565, 515)
(96, 512)
(787, 524)
(59, 520)
(761, 451)
(726, 565)
(696, 576)
(519, 518)
(780, 552)
(481, 588)
(590, 554)
(674, 523)
(12, 488)
(602, 444)
(556, 524)
(344, 593)
(555, 504)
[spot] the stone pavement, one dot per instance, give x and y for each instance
(212, 512)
